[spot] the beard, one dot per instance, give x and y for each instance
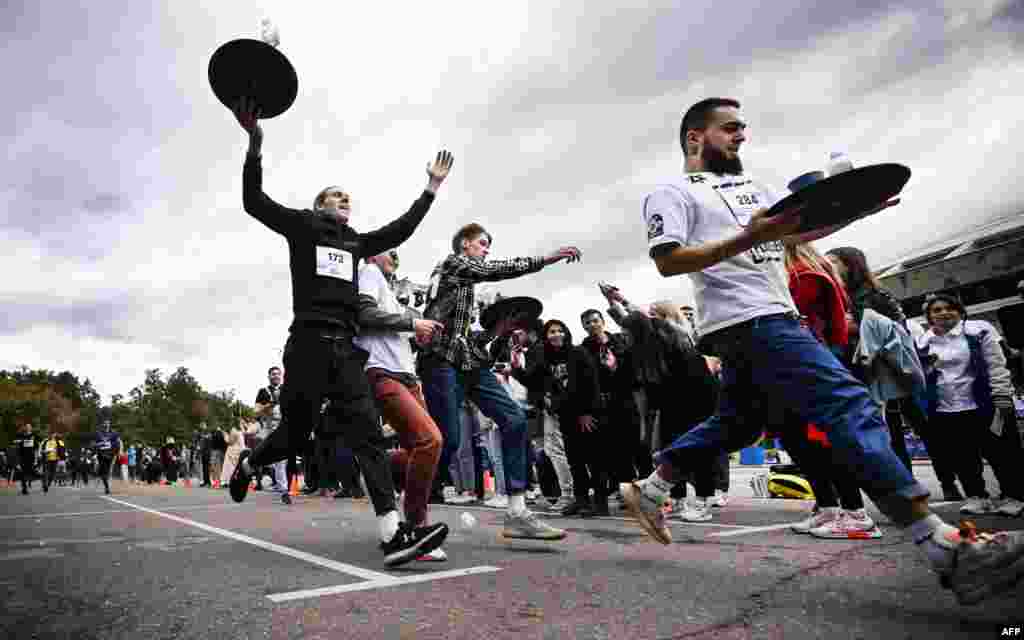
(716, 161)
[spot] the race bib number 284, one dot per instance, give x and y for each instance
(334, 263)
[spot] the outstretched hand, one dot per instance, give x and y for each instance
(438, 170)
(247, 114)
(425, 330)
(569, 254)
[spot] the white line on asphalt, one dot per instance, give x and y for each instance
(42, 542)
(100, 513)
(340, 567)
(547, 515)
(377, 584)
(773, 527)
(46, 552)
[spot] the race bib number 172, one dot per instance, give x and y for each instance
(334, 263)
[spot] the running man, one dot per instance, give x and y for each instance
(320, 356)
(391, 371)
(710, 222)
(454, 365)
(108, 446)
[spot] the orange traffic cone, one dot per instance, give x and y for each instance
(188, 483)
(294, 489)
(216, 483)
(488, 482)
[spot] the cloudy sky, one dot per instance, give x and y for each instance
(126, 247)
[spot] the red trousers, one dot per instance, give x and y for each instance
(405, 410)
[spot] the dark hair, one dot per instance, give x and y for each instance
(468, 232)
(699, 116)
(565, 329)
(948, 298)
(272, 369)
(858, 274)
(589, 312)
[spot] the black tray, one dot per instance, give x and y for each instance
(844, 197)
(254, 69)
(507, 307)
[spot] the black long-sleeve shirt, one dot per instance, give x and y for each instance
(324, 253)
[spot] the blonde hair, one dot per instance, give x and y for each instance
(803, 253)
(668, 311)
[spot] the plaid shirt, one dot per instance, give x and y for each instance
(451, 300)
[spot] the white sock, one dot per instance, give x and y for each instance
(388, 525)
(936, 540)
(517, 504)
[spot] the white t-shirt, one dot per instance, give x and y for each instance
(388, 350)
(706, 207)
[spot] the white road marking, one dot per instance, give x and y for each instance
(101, 513)
(772, 527)
(378, 584)
(42, 542)
(327, 563)
(45, 552)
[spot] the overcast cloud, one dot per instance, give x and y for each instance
(126, 246)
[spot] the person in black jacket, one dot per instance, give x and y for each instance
(26, 444)
(679, 384)
(568, 377)
(320, 357)
(612, 352)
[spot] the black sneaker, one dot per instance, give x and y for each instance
(239, 484)
(578, 507)
(286, 499)
(410, 543)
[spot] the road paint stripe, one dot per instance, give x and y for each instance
(42, 542)
(378, 584)
(28, 554)
(67, 514)
(773, 527)
(556, 516)
(340, 567)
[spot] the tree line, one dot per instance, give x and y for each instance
(174, 405)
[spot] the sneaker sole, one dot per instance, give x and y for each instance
(849, 535)
(549, 537)
(430, 542)
(631, 500)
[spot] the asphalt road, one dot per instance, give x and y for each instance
(174, 562)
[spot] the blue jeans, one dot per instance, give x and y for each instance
(444, 389)
(776, 373)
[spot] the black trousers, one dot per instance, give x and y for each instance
(103, 469)
(831, 485)
(321, 365)
(633, 457)
(49, 471)
(964, 439)
(27, 471)
(675, 417)
(591, 456)
(894, 418)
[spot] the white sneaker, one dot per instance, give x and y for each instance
(448, 493)
(817, 519)
(437, 555)
(699, 511)
(463, 498)
(562, 502)
(977, 506)
(532, 495)
(850, 525)
(499, 501)
(719, 500)
(1011, 507)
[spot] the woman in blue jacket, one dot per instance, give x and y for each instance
(970, 405)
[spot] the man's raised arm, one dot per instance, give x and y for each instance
(256, 203)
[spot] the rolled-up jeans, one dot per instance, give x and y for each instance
(776, 373)
(445, 387)
(463, 464)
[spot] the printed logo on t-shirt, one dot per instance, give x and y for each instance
(768, 252)
(334, 263)
(655, 226)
